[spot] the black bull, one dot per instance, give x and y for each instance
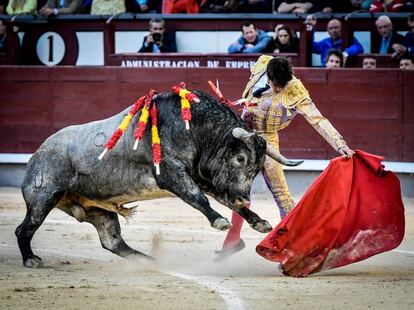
(217, 156)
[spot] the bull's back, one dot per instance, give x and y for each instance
(68, 161)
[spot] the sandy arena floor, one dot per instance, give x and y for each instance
(79, 274)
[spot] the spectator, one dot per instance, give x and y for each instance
(252, 41)
(334, 41)
(2, 37)
(158, 41)
(408, 42)
(108, 7)
(285, 40)
(407, 62)
(407, 45)
(388, 37)
(180, 6)
(21, 6)
(53, 7)
(295, 6)
(369, 63)
(334, 59)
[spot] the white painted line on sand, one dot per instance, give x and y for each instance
(230, 298)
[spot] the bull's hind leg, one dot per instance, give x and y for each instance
(109, 230)
(38, 207)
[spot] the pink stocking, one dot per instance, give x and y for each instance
(233, 236)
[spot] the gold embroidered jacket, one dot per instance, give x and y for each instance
(274, 112)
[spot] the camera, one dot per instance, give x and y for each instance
(156, 36)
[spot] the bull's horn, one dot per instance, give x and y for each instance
(241, 133)
(275, 154)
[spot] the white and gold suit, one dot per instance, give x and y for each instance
(273, 112)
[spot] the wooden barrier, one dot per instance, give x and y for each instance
(372, 109)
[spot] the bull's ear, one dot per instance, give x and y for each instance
(240, 133)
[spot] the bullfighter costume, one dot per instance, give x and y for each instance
(267, 114)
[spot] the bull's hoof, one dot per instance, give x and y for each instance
(33, 262)
(262, 226)
(221, 224)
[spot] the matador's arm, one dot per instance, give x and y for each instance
(296, 96)
(309, 111)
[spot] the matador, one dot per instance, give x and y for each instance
(275, 96)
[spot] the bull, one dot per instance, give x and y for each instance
(218, 157)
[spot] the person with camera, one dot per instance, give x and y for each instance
(158, 41)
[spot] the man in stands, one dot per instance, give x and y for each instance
(407, 45)
(390, 40)
(252, 40)
(158, 41)
(334, 41)
(334, 59)
(409, 36)
(407, 62)
(369, 63)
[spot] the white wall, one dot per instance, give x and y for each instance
(91, 48)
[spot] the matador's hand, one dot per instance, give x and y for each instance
(346, 151)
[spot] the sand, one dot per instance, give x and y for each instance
(80, 274)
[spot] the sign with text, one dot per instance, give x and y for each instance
(164, 63)
(231, 61)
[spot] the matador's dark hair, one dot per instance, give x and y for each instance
(279, 71)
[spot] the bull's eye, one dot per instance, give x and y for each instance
(240, 159)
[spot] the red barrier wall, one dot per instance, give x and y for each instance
(373, 110)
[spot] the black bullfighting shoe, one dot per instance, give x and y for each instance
(226, 253)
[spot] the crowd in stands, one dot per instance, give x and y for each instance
(111, 7)
(333, 53)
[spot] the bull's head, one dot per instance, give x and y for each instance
(236, 164)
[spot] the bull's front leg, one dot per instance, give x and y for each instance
(255, 221)
(185, 188)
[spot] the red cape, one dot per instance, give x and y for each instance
(352, 211)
